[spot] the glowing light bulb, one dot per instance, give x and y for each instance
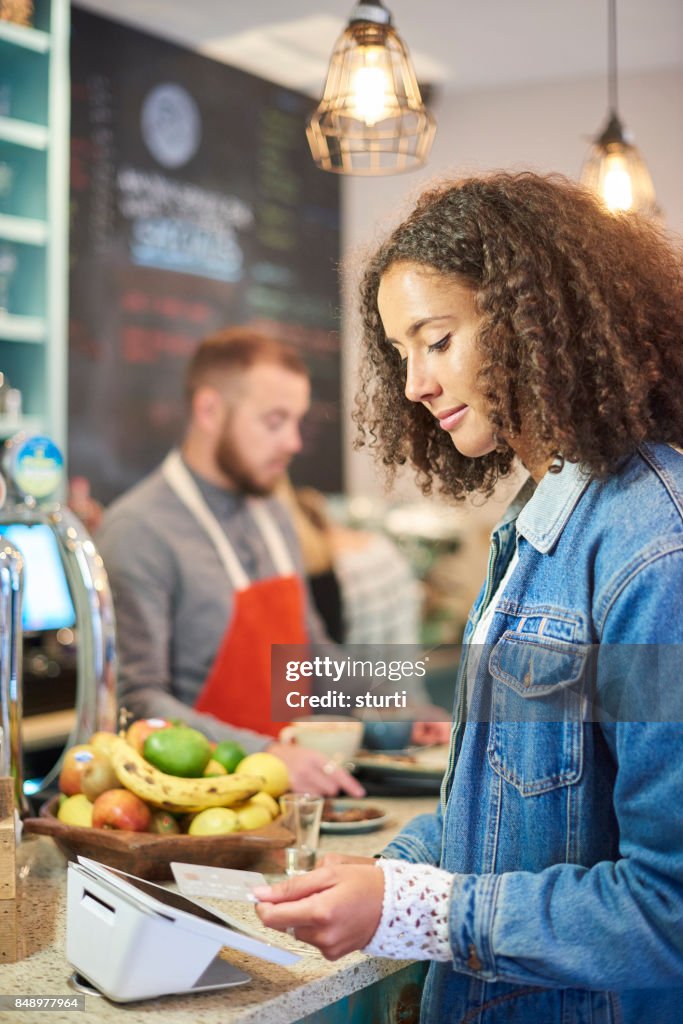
(370, 88)
(617, 188)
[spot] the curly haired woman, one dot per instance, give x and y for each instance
(512, 317)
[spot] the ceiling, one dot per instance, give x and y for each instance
(459, 44)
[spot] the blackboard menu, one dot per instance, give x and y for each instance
(195, 205)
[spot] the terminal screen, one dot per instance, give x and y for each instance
(47, 600)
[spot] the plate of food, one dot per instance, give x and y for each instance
(415, 769)
(349, 816)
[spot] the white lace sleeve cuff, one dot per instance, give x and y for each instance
(414, 922)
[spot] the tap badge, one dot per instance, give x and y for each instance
(35, 466)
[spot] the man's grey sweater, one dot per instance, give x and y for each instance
(173, 600)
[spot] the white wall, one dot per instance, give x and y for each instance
(540, 127)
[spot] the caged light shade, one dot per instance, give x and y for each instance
(371, 119)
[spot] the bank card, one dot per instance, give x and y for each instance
(196, 880)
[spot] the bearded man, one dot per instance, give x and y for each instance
(204, 564)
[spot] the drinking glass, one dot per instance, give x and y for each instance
(301, 814)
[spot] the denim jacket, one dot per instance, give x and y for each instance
(564, 833)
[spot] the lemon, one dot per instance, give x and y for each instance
(178, 751)
(229, 753)
(266, 800)
(214, 821)
(252, 815)
(213, 768)
(272, 770)
(76, 810)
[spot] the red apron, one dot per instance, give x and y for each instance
(270, 611)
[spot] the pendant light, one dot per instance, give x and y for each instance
(615, 169)
(371, 119)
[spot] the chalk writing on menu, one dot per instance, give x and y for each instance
(194, 205)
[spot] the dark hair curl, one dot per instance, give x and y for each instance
(581, 339)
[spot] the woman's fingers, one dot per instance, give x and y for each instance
(312, 772)
(348, 784)
(431, 732)
(317, 909)
(302, 913)
(295, 888)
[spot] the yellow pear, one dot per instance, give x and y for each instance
(76, 810)
(102, 740)
(98, 775)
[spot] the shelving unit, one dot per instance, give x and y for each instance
(34, 135)
(23, 133)
(20, 35)
(23, 229)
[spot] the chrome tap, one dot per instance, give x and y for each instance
(11, 587)
(34, 468)
(87, 579)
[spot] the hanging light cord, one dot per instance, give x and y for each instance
(612, 55)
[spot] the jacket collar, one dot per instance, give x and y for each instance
(546, 513)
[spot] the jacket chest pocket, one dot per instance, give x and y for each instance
(536, 734)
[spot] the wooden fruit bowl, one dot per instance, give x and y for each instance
(148, 855)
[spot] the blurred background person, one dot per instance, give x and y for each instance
(204, 563)
(375, 597)
(82, 503)
(366, 592)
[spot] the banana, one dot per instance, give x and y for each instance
(174, 794)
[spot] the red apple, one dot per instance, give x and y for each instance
(119, 808)
(75, 761)
(138, 732)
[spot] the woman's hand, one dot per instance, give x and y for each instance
(426, 733)
(312, 772)
(325, 860)
(336, 908)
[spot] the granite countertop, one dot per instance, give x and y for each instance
(276, 995)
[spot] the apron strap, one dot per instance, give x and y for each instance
(181, 482)
(273, 539)
(184, 487)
